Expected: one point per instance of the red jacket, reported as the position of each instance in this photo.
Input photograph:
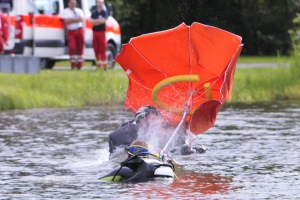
(4, 29)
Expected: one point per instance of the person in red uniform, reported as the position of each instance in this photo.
(4, 31)
(98, 19)
(73, 19)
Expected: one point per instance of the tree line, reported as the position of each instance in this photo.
(263, 24)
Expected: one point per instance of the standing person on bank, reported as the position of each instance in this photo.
(73, 19)
(4, 32)
(98, 19)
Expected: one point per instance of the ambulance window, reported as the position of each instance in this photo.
(4, 7)
(47, 7)
(92, 5)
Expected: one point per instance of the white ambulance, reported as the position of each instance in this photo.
(36, 28)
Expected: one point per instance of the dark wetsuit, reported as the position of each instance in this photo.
(128, 132)
(135, 170)
(185, 150)
(123, 136)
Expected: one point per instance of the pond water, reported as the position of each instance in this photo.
(60, 153)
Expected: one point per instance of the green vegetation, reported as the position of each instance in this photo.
(265, 84)
(67, 63)
(264, 59)
(67, 88)
(242, 59)
(62, 89)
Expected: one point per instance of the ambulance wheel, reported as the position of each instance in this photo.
(46, 63)
(111, 55)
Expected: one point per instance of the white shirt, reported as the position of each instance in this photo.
(68, 14)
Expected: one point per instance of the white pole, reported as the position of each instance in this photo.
(176, 130)
(186, 110)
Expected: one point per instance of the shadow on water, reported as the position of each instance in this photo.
(60, 153)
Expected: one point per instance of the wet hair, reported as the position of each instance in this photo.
(139, 143)
(138, 147)
(144, 112)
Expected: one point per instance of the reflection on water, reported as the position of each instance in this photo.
(59, 153)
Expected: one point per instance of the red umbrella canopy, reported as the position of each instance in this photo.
(205, 51)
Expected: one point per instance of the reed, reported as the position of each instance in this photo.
(62, 89)
(66, 89)
(269, 84)
(263, 59)
(265, 84)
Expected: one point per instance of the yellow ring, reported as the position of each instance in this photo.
(167, 81)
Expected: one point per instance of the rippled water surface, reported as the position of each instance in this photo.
(60, 153)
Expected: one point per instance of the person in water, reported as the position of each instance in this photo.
(138, 147)
(136, 169)
(143, 120)
(128, 132)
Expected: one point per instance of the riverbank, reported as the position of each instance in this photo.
(243, 61)
(62, 89)
(265, 84)
(75, 89)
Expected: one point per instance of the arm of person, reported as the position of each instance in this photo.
(72, 20)
(186, 150)
(97, 21)
(69, 20)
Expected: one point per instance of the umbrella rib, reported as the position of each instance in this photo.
(161, 94)
(189, 53)
(201, 95)
(225, 77)
(179, 85)
(139, 83)
(195, 99)
(171, 85)
(166, 75)
(175, 99)
(147, 60)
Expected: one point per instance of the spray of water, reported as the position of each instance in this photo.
(156, 134)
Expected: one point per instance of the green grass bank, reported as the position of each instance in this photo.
(75, 89)
(62, 89)
(242, 59)
(265, 84)
(264, 59)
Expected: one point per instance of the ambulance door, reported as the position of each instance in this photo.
(88, 7)
(48, 29)
(6, 6)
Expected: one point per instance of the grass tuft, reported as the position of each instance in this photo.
(61, 89)
(75, 89)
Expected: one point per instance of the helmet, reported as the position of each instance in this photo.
(144, 112)
(138, 147)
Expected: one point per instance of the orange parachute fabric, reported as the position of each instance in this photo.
(208, 52)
